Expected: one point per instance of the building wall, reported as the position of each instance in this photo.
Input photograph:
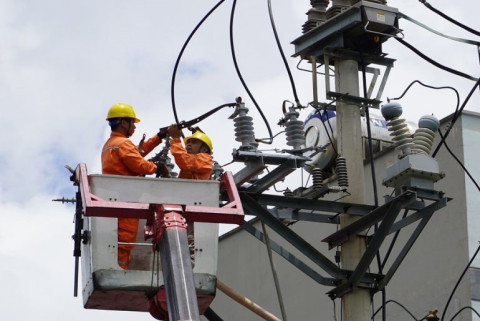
(471, 136)
(423, 282)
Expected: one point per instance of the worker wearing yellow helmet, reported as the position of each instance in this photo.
(121, 157)
(194, 160)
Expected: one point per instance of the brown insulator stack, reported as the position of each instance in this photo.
(316, 15)
(337, 7)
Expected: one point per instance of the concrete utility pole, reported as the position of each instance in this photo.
(336, 31)
(355, 304)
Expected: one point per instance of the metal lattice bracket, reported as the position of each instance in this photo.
(331, 54)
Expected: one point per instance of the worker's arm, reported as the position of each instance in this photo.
(134, 161)
(150, 144)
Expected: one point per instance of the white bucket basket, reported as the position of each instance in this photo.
(105, 284)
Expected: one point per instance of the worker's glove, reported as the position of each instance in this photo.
(162, 133)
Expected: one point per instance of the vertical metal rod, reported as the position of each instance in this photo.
(313, 61)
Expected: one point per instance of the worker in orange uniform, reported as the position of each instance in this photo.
(194, 161)
(121, 157)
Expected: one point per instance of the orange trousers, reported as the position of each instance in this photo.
(127, 232)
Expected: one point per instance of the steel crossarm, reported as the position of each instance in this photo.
(294, 239)
(310, 204)
(368, 220)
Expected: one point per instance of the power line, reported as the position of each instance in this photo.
(177, 62)
(455, 117)
(237, 69)
(475, 32)
(433, 62)
(458, 282)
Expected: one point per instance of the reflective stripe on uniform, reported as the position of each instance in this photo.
(110, 148)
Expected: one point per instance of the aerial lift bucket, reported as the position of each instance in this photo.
(105, 198)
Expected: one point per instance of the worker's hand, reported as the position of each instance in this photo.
(162, 133)
(174, 131)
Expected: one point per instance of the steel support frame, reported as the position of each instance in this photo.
(381, 213)
(386, 214)
(299, 264)
(274, 176)
(314, 205)
(332, 53)
(424, 215)
(256, 162)
(254, 208)
(302, 215)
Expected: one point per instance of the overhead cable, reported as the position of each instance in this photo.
(327, 119)
(428, 86)
(458, 161)
(475, 32)
(458, 282)
(232, 48)
(464, 308)
(433, 62)
(467, 41)
(400, 305)
(282, 53)
(455, 117)
(172, 87)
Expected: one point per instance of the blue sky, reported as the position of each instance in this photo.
(63, 63)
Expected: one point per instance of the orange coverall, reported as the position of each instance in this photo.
(121, 157)
(192, 166)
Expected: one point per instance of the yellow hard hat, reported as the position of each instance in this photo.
(121, 110)
(200, 136)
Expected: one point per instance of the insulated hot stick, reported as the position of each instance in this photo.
(186, 124)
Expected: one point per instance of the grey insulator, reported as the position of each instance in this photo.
(288, 192)
(391, 110)
(429, 121)
(170, 166)
(400, 132)
(317, 178)
(425, 134)
(295, 133)
(244, 131)
(342, 173)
